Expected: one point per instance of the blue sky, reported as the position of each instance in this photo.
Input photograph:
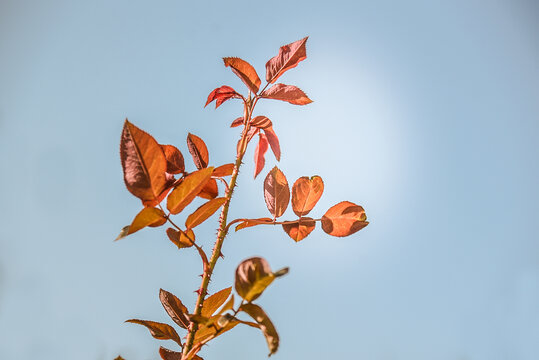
(425, 112)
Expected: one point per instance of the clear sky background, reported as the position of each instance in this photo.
(425, 112)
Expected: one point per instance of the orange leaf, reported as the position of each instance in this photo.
(204, 212)
(198, 151)
(261, 122)
(276, 192)
(223, 170)
(260, 151)
(289, 93)
(222, 94)
(205, 332)
(174, 308)
(167, 354)
(182, 195)
(265, 324)
(237, 122)
(305, 194)
(253, 222)
(210, 190)
(245, 72)
(300, 229)
(143, 162)
(181, 239)
(289, 56)
(253, 276)
(175, 163)
(148, 216)
(273, 140)
(214, 302)
(344, 219)
(159, 330)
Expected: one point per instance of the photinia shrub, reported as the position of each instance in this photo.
(156, 174)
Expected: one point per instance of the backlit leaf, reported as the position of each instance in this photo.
(289, 56)
(214, 302)
(174, 308)
(191, 185)
(253, 276)
(305, 194)
(174, 157)
(276, 192)
(300, 229)
(253, 222)
(261, 122)
(198, 151)
(204, 212)
(167, 354)
(245, 72)
(260, 152)
(123, 233)
(273, 141)
(143, 163)
(159, 330)
(210, 190)
(228, 306)
(344, 219)
(222, 94)
(223, 170)
(205, 332)
(181, 239)
(256, 312)
(237, 122)
(148, 216)
(288, 93)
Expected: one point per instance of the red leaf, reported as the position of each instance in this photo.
(175, 163)
(143, 162)
(289, 93)
(261, 122)
(260, 151)
(273, 141)
(300, 229)
(253, 222)
(210, 190)
(159, 330)
(198, 151)
(204, 212)
(289, 56)
(245, 72)
(174, 308)
(188, 189)
(222, 94)
(167, 354)
(223, 170)
(344, 219)
(237, 122)
(305, 194)
(276, 192)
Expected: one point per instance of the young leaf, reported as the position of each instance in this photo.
(305, 194)
(253, 222)
(237, 122)
(198, 151)
(204, 212)
(261, 122)
(182, 196)
(167, 354)
(253, 276)
(174, 308)
(159, 330)
(213, 302)
(148, 216)
(276, 192)
(143, 162)
(222, 94)
(273, 141)
(344, 219)
(289, 56)
(256, 312)
(210, 190)
(223, 170)
(288, 93)
(260, 152)
(245, 72)
(181, 239)
(300, 229)
(174, 157)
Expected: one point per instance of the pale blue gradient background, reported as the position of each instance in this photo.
(425, 112)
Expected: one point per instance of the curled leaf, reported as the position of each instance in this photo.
(344, 219)
(261, 122)
(198, 151)
(210, 190)
(288, 93)
(223, 170)
(174, 308)
(204, 212)
(253, 276)
(174, 157)
(180, 238)
(245, 72)
(276, 192)
(191, 185)
(148, 216)
(305, 194)
(237, 122)
(260, 152)
(213, 302)
(300, 229)
(265, 324)
(158, 330)
(222, 94)
(253, 222)
(228, 306)
(289, 56)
